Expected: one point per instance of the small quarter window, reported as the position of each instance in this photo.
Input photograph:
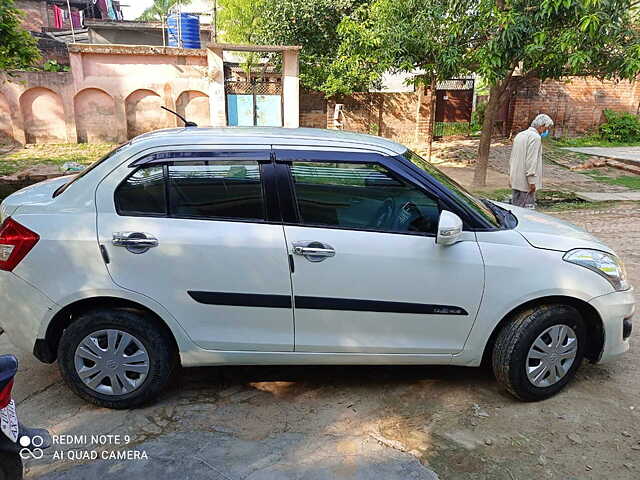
(142, 193)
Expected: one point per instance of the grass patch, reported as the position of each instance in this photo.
(629, 181)
(445, 129)
(589, 141)
(549, 200)
(52, 154)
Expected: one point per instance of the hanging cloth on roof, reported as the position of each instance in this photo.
(111, 11)
(75, 19)
(102, 6)
(58, 21)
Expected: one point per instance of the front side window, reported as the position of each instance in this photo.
(361, 196)
(200, 189)
(459, 191)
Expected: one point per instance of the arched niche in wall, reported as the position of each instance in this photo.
(194, 106)
(95, 113)
(144, 113)
(43, 116)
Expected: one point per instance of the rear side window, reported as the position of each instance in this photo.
(200, 189)
(220, 189)
(361, 196)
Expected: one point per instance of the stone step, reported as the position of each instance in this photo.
(609, 196)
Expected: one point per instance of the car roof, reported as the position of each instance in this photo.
(272, 135)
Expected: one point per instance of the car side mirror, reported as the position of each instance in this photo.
(449, 228)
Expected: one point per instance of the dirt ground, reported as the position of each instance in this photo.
(456, 421)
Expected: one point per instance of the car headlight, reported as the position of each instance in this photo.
(605, 264)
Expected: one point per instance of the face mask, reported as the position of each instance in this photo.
(545, 134)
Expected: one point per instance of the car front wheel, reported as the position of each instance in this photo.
(116, 358)
(539, 351)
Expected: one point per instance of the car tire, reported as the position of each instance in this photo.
(528, 359)
(96, 325)
(10, 466)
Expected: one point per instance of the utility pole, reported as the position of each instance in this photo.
(73, 32)
(215, 21)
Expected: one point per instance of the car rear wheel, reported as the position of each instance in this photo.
(10, 466)
(539, 351)
(116, 358)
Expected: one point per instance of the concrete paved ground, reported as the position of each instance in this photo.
(621, 153)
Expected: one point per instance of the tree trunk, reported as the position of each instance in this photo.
(496, 96)
(432, 114)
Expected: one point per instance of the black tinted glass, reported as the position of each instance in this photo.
(143, 192)
(224, 189)
(361, 196)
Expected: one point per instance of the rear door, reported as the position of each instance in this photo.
(368, 276)
(196, 231)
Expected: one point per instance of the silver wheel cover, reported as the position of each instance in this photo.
(551, 355)
(111, 362)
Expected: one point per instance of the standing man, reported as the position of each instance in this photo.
(525, 168)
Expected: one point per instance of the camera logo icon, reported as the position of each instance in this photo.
(31, 447)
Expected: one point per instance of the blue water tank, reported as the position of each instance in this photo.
(186, 26)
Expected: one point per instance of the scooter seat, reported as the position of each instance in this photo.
(8, 367)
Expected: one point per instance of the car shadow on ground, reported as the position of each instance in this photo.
(310, 377)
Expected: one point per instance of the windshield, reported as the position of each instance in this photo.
(63, 187)
(458, 190)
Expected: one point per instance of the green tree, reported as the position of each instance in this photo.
(313, 25)
(18, 49)
(159, 9)
(239, 22)
(495, 38)
(551, 39)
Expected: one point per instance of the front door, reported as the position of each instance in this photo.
(192, 232)
(368, 275)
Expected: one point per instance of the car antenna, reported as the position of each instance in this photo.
(187, 123)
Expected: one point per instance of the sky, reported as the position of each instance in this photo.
(136, 7)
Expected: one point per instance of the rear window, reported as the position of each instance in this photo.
(63, 187)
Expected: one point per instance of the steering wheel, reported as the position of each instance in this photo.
(384, 216)
(410, 218)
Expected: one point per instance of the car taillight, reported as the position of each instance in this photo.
(15, 242)
(5, 393)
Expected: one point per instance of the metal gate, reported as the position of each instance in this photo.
(253, 103)
(454, 104)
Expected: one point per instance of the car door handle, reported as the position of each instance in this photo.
(313, 251)
(135, 242)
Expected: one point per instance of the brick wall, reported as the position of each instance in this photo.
(52, 50)
(391, 115)
(33, 19)
(313, 109)
(576, 105)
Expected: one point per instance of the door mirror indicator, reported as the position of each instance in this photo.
(449, 228)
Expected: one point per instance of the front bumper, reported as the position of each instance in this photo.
(616, 310)
(22, 310)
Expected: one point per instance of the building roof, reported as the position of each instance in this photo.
(307, 137)
(131, 25)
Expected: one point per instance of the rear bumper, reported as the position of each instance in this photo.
(616, 310)
(22, 310)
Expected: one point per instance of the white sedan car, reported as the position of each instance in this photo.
(198, 246)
